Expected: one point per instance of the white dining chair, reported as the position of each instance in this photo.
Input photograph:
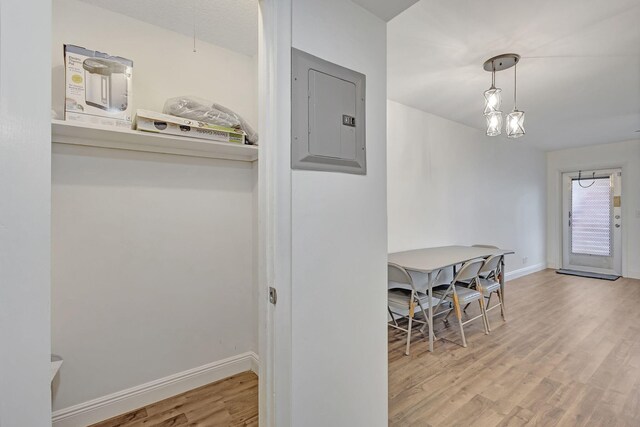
(492, 274)
(487, 247)
(402, 301)
(489, 279)
(463, 295)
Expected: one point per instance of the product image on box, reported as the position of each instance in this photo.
(98, 87)
(106, 84)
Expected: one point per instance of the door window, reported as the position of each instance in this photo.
(591, 216)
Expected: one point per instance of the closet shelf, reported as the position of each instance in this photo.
(63, 132)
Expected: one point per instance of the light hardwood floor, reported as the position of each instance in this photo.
(569, 355)
(230, 402)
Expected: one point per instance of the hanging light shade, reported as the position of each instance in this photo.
(515, 124)
(494, 123)
(492, 97)
(515, 119)
(492, 100)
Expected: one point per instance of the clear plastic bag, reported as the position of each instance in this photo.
(194, 108)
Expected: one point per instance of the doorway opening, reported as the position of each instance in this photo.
(592, 218)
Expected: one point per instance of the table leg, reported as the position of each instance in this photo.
(502, 273)
(430, 295)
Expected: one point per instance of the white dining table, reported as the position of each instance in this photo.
(430, 261)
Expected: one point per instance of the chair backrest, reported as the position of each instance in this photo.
(491, 264)
(469, 270)
(397, 274)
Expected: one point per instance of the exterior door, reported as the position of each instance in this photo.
(592, 218)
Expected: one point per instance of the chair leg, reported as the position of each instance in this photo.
(485, 320)
(408, 335)
(426, 320)
(446, 318)
(392, 316)
(456, 306)
(502, 310)
(487, 327)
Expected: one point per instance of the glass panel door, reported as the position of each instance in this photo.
(592, 221)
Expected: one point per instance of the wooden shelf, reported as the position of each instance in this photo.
(63, 132)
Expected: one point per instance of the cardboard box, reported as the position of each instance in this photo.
(98, 87)
(150, 121)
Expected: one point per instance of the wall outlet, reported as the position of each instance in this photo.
(525, 259)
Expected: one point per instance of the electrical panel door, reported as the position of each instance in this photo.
(328, 116)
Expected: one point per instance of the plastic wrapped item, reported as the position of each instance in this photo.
(194, 108)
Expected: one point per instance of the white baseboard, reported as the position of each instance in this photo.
(631, 274)
(553, 265)
(255, 363)
(510, 275)
(127, 400)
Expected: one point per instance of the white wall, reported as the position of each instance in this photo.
(164, 64)
(623, 154)
(451, 184)
(274, 212)
(153, 255)
(339, 242)
(25, 167)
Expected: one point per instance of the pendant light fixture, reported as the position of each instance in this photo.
(493, 99)
(515, 119)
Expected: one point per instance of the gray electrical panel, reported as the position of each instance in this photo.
(327, 116)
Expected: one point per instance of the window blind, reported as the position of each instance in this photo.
(591, 217)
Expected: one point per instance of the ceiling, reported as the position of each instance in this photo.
(232, 24)
(228, 23)
(385, 9)
(578, 79)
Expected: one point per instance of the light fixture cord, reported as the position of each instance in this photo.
(493, 76)
(515, 86)
(193, 9)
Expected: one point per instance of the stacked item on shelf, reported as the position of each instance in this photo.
(201, 110)
(98, 87)
(151, 121)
